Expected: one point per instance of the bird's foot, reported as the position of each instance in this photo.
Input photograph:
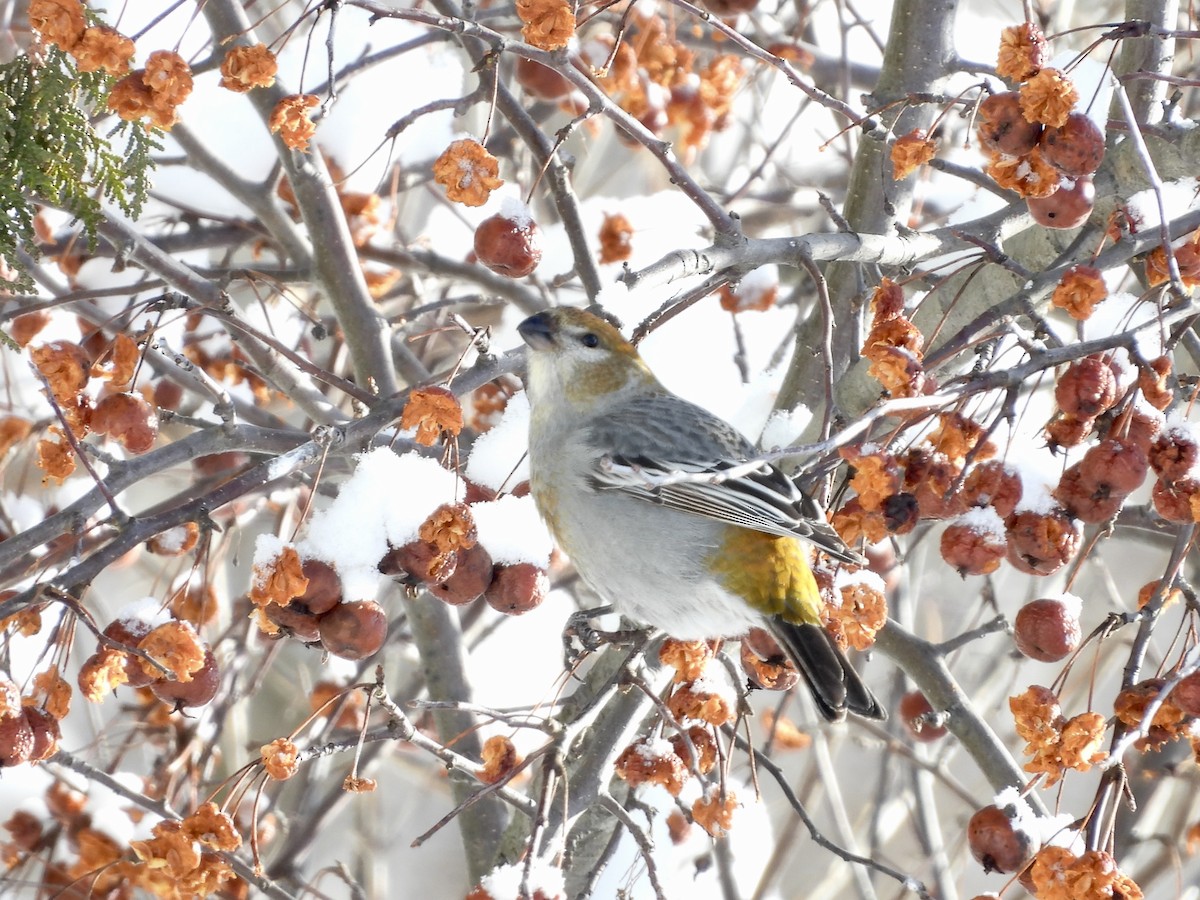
(580, 637)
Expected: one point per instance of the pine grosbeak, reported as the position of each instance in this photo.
(627, 477)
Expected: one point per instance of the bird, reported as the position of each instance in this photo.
(664, 511)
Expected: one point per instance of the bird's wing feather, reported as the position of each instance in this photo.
(700, 470)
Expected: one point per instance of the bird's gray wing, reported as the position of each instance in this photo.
(668, 451)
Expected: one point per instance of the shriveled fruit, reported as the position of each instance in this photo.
(1076, 149)
(354, 630)
(16, 739)
(197, 692)
(916, 713)
(1046, 630)
(995, 842)
(517, 588)
(1041, 543)
(765, 663)
(418, 562)
(1068, 207)
(471, 577)
(541, 81)
(728, 9)
(1186, 694)
(294, 620)
(508, 245)
(46, 733)
(1087, 388)
(324, 590)
(1003, 129)
(126, 418)
(129, 632)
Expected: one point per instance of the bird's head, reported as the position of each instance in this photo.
(579, 357)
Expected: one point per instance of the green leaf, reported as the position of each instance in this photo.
(54, 154)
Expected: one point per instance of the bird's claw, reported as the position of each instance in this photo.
(580, 637)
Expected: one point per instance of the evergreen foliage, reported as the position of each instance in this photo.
(54, 155)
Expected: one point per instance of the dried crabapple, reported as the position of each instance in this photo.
(993, 483)
(294, 620)
(1173, 499)
(689, 659)
(701, 701)
(1023, 52)
(1046, 630)
(348, 707)
(1065, 430)
(1155, 382)
(1174, 454)
(1087, 388)
(174, 541)
(1068, 207)
(1147, 592)
(1041, 543)
(517, 588)
(931, 477)
(765, 663)
(647, 761)
(508, 245)
(1141, 427)
(16, 739)
(197, 692)
(477, 493)
(10, 694)
(472, 576)
(541, 81)
(1117, 464)
(65, 365)
(1003, 129)
(1169, 722)
(882, 560)
(1076, 148)
(1186, 694)
(168, 394)
(324, 590)
(25, 830)
(418, 562)
(221, 465)
(130, 632)
(128, 419)
(972, 546)
(354, 630)
(1187, 258)
(900, 513)
(500, 758)
(46, 733)
(917, 715)
(25, 327)
(1086, 500)
(995, 842)
(729, 9)
(702, 741)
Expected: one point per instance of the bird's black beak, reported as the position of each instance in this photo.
(538, 331)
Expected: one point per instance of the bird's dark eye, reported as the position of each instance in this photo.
(588, 339)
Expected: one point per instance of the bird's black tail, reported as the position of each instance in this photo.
(835, 685)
